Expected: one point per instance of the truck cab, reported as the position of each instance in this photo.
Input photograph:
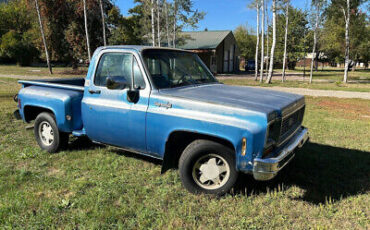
(165, 103)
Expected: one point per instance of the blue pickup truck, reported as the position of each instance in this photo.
(166, 104)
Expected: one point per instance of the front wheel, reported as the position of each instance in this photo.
(47, 133)
(207, 167)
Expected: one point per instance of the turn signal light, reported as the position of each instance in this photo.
(244, 146)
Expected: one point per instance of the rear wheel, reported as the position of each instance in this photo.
(207, 167)
(47, 133)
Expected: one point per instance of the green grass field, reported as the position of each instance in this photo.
(41, 71)
(355, 87)
(326, 186)
(327, 79)
(334, 75)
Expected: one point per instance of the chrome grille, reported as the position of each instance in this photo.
(290, 123)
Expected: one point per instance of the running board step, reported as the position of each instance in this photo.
(79, 133)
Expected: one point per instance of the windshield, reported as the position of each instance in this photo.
(172, 68)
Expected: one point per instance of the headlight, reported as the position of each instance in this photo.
(273, 132)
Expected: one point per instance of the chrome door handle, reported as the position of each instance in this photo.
(165, 105)
(94, 91)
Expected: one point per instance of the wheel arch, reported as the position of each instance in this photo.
(174, 147)
(30, 112)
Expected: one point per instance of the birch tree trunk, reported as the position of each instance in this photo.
(267, 39)
(86, 31)
(258, 40)
(262, 38)
(158, 23)
(346, 65)
(153, 24)
(167, 29)
(103, 22)
(315, 38)
(43, 37)
(273, 41)
(285, 39)
(174, 24)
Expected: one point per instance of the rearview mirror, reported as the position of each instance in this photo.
(116, 82)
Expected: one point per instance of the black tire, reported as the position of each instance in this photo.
(193, 155)
(60, 139)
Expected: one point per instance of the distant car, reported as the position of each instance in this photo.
(166, 104)
(250, 65)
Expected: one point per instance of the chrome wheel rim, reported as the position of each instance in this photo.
(211, 171)
(46, 133)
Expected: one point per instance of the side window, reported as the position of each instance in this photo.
(118, 65)
(138, 76)
(113, 65)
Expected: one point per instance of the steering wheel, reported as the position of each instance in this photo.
(183, 78)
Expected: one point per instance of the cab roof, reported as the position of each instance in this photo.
(138, 48)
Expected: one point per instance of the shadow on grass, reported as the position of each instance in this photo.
(82, 143)
(324, 172)
(137, 156)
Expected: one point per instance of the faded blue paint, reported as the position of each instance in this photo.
(60, 101)
(218, 110)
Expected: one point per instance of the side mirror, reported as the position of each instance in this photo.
(116, 82)
(133, 95)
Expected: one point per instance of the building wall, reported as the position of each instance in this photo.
(227, 47)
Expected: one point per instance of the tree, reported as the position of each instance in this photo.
(285, 38)
(298, 37)
(167, 23)
(262, 38)
(273, 41)
(86, 31)
(317, 4)
(267, 37)
(127, 30)
(153, 23)
(19, 47)
(17, 32)
(246, 41)
(347, 17)
(43, 37)
(332, 41)
(103, 22)
(158, 22)
(184, 16)
(258, 39)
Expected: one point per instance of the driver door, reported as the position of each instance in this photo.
(107, 114)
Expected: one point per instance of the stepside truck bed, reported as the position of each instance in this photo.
(62, 97)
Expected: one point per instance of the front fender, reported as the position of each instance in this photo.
(225, 123)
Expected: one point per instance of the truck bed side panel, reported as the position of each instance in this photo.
(61, 102)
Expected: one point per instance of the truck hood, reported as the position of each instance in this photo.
(250, 98)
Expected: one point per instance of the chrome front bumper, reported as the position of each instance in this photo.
(267, 168)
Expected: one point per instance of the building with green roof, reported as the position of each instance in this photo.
(217, 49)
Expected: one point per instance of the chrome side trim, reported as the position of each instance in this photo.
(267, 168)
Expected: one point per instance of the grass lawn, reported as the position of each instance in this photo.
(334, 75)
(41, 71)
(326, 186)
(356, 87)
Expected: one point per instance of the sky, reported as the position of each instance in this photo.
(220, 14)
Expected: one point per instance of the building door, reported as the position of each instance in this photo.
(226, 61)
(231, 59)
